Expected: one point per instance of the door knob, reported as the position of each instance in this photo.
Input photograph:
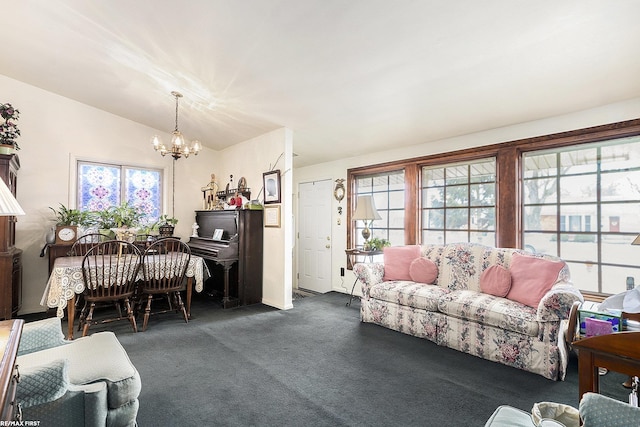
(328, 246)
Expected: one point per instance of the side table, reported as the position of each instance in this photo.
(352, 259)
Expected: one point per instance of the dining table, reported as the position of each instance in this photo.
(66, 282)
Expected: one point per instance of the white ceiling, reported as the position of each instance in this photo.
(347, 76)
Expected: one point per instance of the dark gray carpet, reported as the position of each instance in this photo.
(317, 365)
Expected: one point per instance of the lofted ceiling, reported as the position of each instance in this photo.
(347, 76)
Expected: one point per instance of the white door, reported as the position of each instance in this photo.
(314, 243)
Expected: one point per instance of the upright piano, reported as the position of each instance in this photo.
(238, 252)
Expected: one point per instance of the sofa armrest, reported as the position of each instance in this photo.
(41, 335)
(368, 274)
(556, 304)
(42, 384)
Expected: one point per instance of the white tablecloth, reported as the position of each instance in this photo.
(66, 280)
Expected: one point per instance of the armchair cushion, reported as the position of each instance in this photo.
(41, 335)
(43, 383)
(599, 410)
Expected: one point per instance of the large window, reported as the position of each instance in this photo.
(573, 194)
(582, 203)
(387, 190)
(459, 203)
(102, 185)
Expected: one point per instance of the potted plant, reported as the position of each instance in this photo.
(67, 222)
(166, 225)
(8, 129)
(376, 244)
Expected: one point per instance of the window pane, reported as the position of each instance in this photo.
(618, 250)
(432, 177)
(578, 161)
(483, 194)
(538, 191)
(98, 186)
(396, 219)
(396, 200)
(614, 279)
(621, 185)
(540, 165)
(457, 175)
(433, 197)
(433, 218)
(457, 219)
(482, 238)
(576, 216)
(432, 237)
(143, 190)
(457, 195)
(543, 243)
(620, 217)
(584, 276)
(579, 247)
(456, 237)
(621, 156)
(580, 188)
(483, 172)
(483, 218)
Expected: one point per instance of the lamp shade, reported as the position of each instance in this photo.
(8, 204)
(366, 209)
(637, 240)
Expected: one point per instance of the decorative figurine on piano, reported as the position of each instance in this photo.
(210, 194)
(194, 229)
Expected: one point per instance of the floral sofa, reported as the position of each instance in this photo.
(452, 307)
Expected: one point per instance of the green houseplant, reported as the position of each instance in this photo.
(67, 216)
(376, 244)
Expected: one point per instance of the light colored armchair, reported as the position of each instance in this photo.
(86, 382)
(596, 410)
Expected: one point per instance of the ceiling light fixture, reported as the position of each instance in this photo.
(179, 146)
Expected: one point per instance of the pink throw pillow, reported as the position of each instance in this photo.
(495, 280)
(397, 261)
(423, 270)
(531, 278)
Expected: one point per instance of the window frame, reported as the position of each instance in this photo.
(78, 161)
(509, 221)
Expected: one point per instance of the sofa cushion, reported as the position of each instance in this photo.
(411, 294)
(423, 270)
(496, 281)
(397, 260)
(532, 278)
(98, 357)
(490, 310)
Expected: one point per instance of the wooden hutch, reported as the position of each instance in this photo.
(10, 256)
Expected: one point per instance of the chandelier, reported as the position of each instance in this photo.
(179, 146)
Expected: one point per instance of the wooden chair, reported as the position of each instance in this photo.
(85, 242)
(80, 248)
(110, 271)
(164, 266)
(143, 241)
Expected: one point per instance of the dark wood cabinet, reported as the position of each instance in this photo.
(10, 256)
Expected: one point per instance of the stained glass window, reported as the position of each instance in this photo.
(103, 185)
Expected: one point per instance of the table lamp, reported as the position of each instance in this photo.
(8, 204)
(366, 211)
(636, 241)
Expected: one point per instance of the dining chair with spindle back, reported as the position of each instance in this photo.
(164, 266)
(110, 271)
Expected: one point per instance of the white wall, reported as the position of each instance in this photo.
(250, 159)
(55, 130)
(338, 169)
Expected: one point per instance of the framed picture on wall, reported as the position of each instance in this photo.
(271, 182)
(272, 216)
